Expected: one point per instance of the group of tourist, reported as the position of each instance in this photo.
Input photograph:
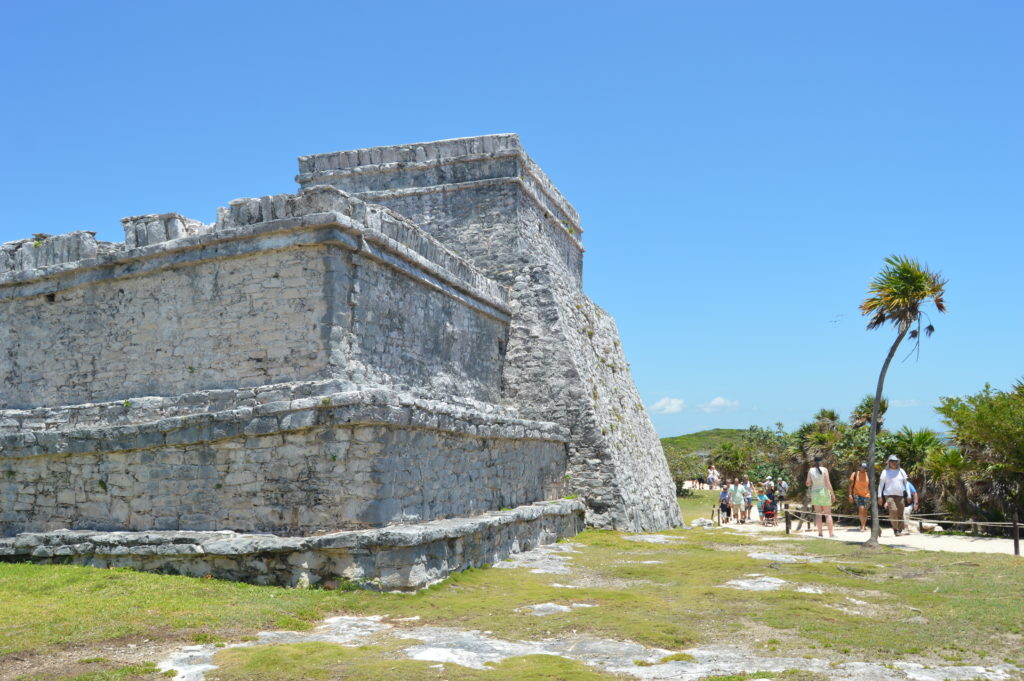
(895, 492)
(738, 499)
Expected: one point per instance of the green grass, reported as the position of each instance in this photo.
(50, 605)
(698, 504)
(788, 675)
(322, 661)
(703, 441)
(931, 607)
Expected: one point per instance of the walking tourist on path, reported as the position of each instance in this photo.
(893, 491)
(748, 497)
(723, 504)
(822, 496)
(736, 495)
(860, 494)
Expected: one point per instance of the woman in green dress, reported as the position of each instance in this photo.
(822, 495)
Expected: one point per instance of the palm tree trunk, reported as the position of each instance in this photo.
(876, 529)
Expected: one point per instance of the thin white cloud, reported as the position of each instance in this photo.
(896, 404)
(718, 404)
(668, 405)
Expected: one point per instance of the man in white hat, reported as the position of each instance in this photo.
(893, 491)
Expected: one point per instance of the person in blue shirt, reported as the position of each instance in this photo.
(723, 503)
(911, 506)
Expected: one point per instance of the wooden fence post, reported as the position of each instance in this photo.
(1016, 534)
(786, 506)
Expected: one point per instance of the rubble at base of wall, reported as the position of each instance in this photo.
(395, 558)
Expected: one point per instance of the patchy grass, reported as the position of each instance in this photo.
(884, 603)
(51, 605)
(698, 504)
(145, 671)
(788, 675)
(316, 661)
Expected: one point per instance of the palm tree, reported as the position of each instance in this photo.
(818, 438)
(948, 470)
(861, 414)
(912, 446)
(895, 297)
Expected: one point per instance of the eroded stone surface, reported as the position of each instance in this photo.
(475, 649)
(756, 583)
(776, 557)
(552, 559)
(652, 538)
(188, 378)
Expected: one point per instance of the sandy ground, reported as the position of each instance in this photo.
(913, 541)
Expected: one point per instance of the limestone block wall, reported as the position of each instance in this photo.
(243, 321)
(139, 379)
(565, 360)
(286, 288)
(487, 201)
(343, 461)
(412, 336)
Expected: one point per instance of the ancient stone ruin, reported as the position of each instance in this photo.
(391, 374)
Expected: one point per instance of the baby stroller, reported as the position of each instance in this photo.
(767, 510)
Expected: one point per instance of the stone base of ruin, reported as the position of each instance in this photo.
(286, 459)
(395, 558)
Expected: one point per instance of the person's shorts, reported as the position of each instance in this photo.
(862, 502)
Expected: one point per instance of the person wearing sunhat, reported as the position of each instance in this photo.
(860, 494)
(892, 491)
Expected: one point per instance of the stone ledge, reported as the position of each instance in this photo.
(152, 408)
(394, 558)
(347, 409)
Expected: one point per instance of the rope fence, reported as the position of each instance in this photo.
(807, 515)
(973, 524)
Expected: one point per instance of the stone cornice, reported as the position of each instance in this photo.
(537, 186)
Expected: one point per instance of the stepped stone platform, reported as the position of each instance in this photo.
(397, 558)
(403, 341)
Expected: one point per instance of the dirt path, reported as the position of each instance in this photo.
(913, 541)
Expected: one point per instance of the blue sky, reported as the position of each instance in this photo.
(741, 168)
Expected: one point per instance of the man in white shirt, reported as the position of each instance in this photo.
(892, 490)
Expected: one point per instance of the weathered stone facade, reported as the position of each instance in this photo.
(404, 340)
(487, 201)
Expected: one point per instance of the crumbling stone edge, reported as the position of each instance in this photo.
(395, 558)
